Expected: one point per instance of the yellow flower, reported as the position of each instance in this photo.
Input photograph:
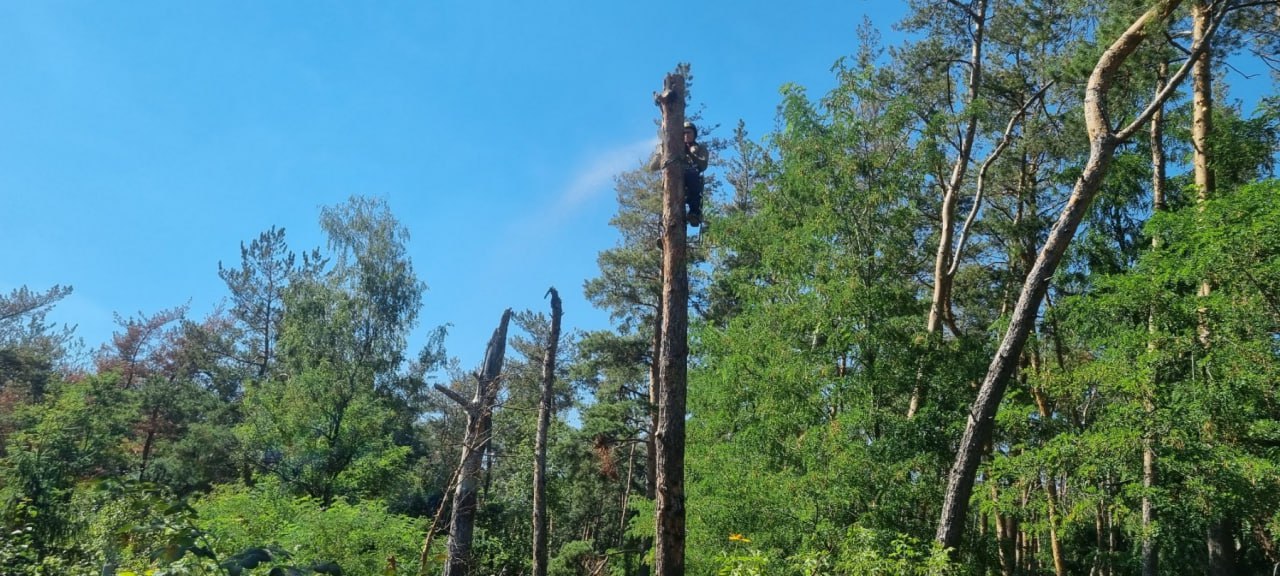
(738, 538)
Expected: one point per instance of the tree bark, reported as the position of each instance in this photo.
(1150, 560)
(626, 497)
(1103, 140)
(669, 549)
(479, 429)
(435, 522)
(1219, 539)
(1050, 480)
(651, 441)
(545, 409)
(1055, 545)
(1202, 100)
(655, 377)
(1220, 542)
(1005, 543)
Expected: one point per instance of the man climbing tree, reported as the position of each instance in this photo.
(693, 162)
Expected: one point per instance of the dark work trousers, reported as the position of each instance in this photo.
(693, 193)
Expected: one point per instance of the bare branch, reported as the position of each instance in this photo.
(1196, 50)
(1005, 140)
(454, 396)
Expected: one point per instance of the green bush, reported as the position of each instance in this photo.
(362, 538)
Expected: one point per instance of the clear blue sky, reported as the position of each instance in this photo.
(141, 142)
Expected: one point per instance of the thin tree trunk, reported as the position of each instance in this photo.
(626, 496)
(1099, 544)
(545, 408)
(1048, 479)
(1005, 544)
(669, 549)
(1112, 536)
(1150, 550)
(1202, 100)
(479, 429)
(651, 443)
(152, 424)
(1103, 141)
(939, 306)
(1201, 128)
(435, 522)
(1055, 546)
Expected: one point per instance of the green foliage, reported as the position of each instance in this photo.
(811, 378)
(1192, 372)
(861, 551)
(75, 435)
(327, 425)
(362, 538)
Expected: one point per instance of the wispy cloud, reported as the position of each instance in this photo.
(561, 220)
(595, 177)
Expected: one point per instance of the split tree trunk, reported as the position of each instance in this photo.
(479, 429)
(669, 549)
(545, 409)
(1103, 140)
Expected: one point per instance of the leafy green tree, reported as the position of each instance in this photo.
(257, 293)
(1210, 409)
(810, 380)
(326, 425)
(30, 345)
(77, 435)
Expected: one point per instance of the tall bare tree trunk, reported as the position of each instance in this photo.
(1202, 99)
(1220, 541)
(1055, 545)
(1219, 538)
(669, 550)
(1103, 140)
(1150, 551)
(1202, 126)
(545, 409)
(626, 496)
(479, 429)
(1050, 479)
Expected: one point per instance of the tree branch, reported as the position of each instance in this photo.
(1005, 140)
(1196, 50)
(454, 396)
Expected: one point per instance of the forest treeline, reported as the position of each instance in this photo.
(865, 288)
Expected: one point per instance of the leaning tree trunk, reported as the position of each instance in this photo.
(540, 442)
(1103, 140)
(479, 429)
(668, 558)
